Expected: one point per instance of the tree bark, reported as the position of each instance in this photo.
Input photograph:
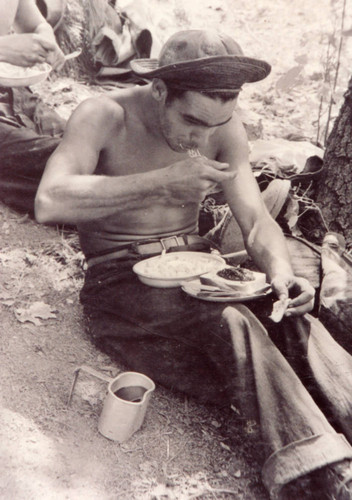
(334, 188)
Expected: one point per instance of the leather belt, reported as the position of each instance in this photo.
(148, 248)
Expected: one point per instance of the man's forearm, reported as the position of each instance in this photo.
(79, 198)
(267, 246)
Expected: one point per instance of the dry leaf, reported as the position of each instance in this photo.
(292, 216)
(6, 298)
(302, 59)
(224, 446)
(215, 423)
(35, 312)
(290, 79)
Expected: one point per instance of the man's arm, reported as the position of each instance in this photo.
(34, 40)
(28, 17)
(263, 237)
(70, 192)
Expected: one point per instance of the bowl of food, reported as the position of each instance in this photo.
(20, 76)
(171, 269)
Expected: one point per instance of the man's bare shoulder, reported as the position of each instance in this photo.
(101, 108)
(102, 122)
(96, 117)
(109, 110)
(235, 125)
(232, 136)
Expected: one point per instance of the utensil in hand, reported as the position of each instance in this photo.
(72, 55)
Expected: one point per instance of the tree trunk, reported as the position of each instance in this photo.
(334, 189)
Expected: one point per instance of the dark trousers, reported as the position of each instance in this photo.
(293, 379)
(29, 132)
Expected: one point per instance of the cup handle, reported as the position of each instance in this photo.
(89, 370)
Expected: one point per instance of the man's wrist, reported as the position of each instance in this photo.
(286, 275)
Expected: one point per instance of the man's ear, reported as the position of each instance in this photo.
(159, 90)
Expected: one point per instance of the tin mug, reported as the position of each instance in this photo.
(125, 404)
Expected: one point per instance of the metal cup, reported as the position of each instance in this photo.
(125, 404)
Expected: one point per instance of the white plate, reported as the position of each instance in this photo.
(19, 76)
(194, 287)
(169, 270)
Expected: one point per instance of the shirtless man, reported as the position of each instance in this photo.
(29, 130)
(124, 176)
(145, 184)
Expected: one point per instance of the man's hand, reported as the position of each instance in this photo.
(56, 58)
(299, 289)
(27, 49)
(189, 181)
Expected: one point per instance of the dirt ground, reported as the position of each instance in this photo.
(52, 450)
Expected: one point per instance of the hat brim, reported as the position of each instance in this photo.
(228, 72)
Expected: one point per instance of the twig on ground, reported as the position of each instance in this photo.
(181, 448)
(167, 449)
(309, 204)
(213, 491)
(165, 416)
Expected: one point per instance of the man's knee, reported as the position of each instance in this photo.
(235, 319)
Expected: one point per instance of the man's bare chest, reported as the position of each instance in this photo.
(134, 154)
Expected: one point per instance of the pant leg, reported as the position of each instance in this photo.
(297, 436)
(32, 112)
(23, 156)
(331, 370)
(220, 356)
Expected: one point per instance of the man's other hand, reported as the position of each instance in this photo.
(299, 290)
(27, 49)
(56, 58)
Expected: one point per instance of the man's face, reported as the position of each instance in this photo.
(189, 121)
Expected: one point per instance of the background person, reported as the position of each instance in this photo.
(29, 130)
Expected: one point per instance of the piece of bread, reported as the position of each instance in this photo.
(279, 309)
(251, 281)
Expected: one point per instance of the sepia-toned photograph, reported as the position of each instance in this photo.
(175, 250)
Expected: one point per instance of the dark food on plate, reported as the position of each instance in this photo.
(236, 274)
(235, 278)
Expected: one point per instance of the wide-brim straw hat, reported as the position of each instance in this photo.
(202, 60)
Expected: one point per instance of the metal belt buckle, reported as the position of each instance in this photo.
(162, 242)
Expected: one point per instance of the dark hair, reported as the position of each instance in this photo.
(176, 93)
